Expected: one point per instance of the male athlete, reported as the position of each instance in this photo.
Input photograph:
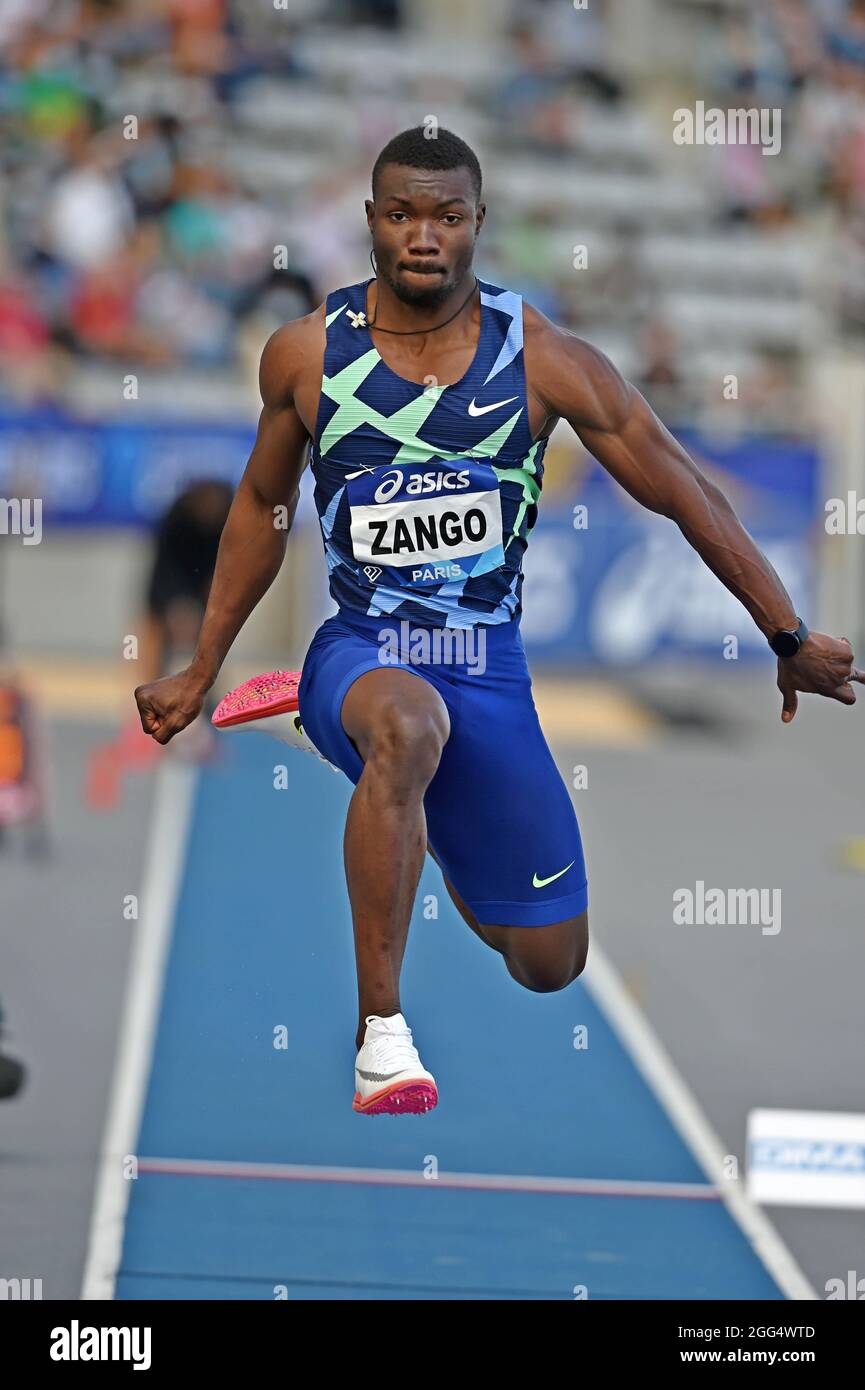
(427, 398)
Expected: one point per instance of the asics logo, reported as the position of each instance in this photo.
(421, 484)
(542, 882)
(485, 409)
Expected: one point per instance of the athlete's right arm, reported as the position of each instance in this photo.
(252, 546)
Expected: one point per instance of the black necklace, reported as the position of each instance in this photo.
(407, 332)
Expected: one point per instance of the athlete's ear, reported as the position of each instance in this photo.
(370, 211)
(479, 216)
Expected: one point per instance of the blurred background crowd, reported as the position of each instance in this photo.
(155, 152)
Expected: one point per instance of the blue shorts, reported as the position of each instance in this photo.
(499, 816)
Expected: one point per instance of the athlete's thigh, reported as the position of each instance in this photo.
(397, 707)
(338, 659)
(499, 815)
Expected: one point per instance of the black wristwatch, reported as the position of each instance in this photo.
(787, 641)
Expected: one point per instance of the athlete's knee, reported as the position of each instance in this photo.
(551, 959)
(406, 742)
(546, 977)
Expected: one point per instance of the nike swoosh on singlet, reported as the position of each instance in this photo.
(485, 409)
(542, 882)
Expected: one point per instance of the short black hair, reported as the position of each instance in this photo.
(420, 150)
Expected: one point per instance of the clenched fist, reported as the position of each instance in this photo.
(168, 705)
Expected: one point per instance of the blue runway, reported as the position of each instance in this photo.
(252, 1162)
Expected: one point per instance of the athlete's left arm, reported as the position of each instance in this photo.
(574, 380)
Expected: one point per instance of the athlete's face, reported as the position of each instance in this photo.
(424, 223)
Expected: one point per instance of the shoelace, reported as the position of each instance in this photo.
(395, 1050)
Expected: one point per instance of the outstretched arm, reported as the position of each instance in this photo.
(251, 549)
(573, 380)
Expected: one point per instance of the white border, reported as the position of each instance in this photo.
(169, 831)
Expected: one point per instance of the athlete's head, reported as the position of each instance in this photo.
(425, 214)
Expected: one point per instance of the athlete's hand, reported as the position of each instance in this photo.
(822, 666)
(168, 705)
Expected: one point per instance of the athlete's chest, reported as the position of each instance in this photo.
(433, 364)
(461, 388)
(481, 403)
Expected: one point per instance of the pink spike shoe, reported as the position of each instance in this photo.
(268, 703)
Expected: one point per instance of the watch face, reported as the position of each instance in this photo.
(785, 643)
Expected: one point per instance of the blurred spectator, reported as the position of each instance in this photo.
(849, 275)
(185, 545)
(12, 1073)
(184, 556)
(387, 14)
(659, 367)
(660, 377)
(89, 214)
(280, 296)
(25, 337)
(198, 40)
(581, 40)
(149, 167)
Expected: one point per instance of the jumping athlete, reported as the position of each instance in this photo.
(424, 399)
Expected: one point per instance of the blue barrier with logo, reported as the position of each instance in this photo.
(615, 584)
(112, 474)
(624, 587)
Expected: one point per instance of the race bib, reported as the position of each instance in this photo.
(424, 526)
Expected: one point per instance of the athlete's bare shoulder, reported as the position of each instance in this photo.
(570, 377)
(294, 351)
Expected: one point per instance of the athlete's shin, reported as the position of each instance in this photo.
(385, 842)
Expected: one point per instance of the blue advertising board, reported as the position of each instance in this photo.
(112, 474)
(606, 581)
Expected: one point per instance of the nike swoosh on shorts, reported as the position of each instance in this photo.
(542, 882)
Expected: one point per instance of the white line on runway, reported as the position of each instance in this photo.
(656, 1067)
(172, 814)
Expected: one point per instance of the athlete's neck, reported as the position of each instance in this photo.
(389, 311)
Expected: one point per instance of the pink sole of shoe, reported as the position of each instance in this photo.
(413, 1098)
